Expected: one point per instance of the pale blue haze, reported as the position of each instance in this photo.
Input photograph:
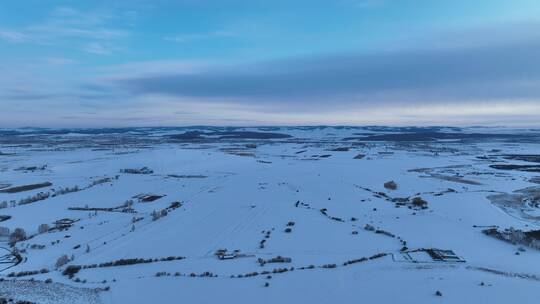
(123, 63)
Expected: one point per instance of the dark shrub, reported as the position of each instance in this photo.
(71, 270)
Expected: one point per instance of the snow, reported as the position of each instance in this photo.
(236, 199)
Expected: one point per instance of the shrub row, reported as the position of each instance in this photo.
(27, 273)
(71, 270)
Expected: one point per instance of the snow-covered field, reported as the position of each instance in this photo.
(221, 215)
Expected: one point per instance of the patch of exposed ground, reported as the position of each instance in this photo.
(526, 168)
(455, 179)
(26, 188)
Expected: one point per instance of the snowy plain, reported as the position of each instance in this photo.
(313, 195)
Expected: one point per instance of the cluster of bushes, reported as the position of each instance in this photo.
(402, 241)
(325, 266)
(126, 262)
(65, 190)
(156, 215)
(378, 256)
(364, 259)
(102, 181)
(415, 203)
(368, 227)
(298, 204)
(127, 204)
(255, 273)
(380, 231)
(288, 229)
(267, 234)
(143, 170)
(419, 203)
(4, 204)
(27, 273)
(73, 269)
(136, 219)
(63, 260)
(307, 267)
(125, 207)
(43, 228)
(380, 195)
(350, 262)
(34, 198)
(87, 208)
(277, 259)
(41, 196)
(282, 270)
(206, 274)
(324, 212)
(17, 235)
(175, 205)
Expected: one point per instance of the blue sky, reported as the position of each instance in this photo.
(232, 62)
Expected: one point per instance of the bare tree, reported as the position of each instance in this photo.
(18, 235)
(63, 260)
(43, 228)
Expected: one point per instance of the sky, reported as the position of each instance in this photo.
(69, 63)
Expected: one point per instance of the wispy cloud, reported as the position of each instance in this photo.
(489, 72)
(113, 73)
(96, 48)
(13, 36)
(58, 61)
(185, 38)
(185, 71)
(65, 25)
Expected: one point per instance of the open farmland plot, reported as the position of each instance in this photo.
(291, 216)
